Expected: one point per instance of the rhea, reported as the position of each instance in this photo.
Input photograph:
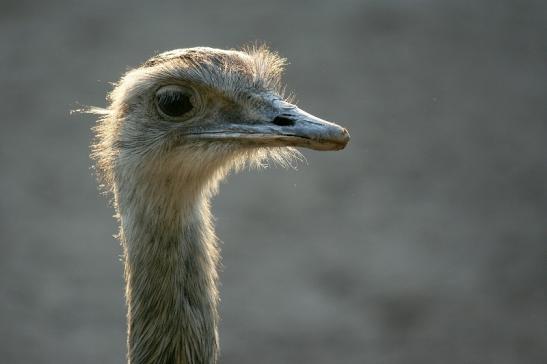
(173, 128)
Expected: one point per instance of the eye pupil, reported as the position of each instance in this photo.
(174, 103)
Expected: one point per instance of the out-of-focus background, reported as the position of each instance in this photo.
(425, 241)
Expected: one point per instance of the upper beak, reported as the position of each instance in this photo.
(284, 125)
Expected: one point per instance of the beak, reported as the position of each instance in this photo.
(284, 125)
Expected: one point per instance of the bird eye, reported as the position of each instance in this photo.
(174, 101)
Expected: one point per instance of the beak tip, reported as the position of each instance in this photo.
(345, 135)
(343, 138)
(337, 141)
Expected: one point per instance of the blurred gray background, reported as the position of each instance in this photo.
(423, 242)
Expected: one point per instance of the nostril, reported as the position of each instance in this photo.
(283, 121)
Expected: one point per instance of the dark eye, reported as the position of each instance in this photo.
(174, 101)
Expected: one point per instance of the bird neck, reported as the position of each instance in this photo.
(171, 258)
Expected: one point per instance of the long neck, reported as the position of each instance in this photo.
(171, 258)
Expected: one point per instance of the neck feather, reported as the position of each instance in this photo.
(171, 259)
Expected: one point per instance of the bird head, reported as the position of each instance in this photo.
(193, 113)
